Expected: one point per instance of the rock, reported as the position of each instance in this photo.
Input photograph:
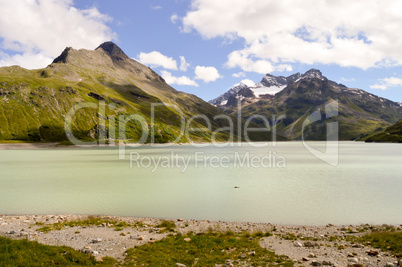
(354, 260)
(356, 246)
(237, 186)
(12, 232)
(98, 240)
(95, 253)
(251, 253)
(305, 259)
(297, 244)
(87, 250)
(355, 265)
(372, 252)
(27, 221)
(389, 264)
(180, 265)
(329, 225)
(309, 244)
(350, 255)
(187, 239)
(312, 255)
(180, 220)
(123, 234)
(327, 263)
(315, 263)
(98, 259)
(243, 256)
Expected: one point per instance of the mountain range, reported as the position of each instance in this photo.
(296, 97)
(117, 90)
(35, 103)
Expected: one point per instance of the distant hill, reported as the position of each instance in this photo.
(298, 96)
(34, 103)
(391, 134)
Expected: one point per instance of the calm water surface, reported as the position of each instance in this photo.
(297, 188)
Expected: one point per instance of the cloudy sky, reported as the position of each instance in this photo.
(204, 47)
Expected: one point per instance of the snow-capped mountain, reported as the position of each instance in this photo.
(268, 86)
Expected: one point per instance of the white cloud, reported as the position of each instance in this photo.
(37, 31)
(207, 74)
(239, 74)
(387, 83)
(183, 64)
(248, 82)
(174, 18)
(359, 33)
(183, 80)
(156, 7)
(156, 59)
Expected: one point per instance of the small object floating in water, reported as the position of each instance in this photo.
(237, 186)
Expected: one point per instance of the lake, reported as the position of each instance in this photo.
(283, 184)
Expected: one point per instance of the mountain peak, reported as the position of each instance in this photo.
(63, 56)
(113, 50)
(314, 73)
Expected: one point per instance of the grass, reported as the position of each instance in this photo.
(168, 225)
(204, 250)
(386, 240)
(31, 253)
(90, 221)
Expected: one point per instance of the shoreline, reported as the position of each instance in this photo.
(302, 244)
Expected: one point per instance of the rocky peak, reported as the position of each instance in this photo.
(113, 50)
(314, 73)
(63, 56)
(271, 80)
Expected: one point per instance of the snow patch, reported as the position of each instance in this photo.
(262, 90)
(224, 102)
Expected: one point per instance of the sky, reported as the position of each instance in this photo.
(204, 47)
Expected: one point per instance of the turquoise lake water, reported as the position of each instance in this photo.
(277, 184)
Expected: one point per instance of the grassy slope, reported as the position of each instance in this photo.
(391, 134)
(34, 102)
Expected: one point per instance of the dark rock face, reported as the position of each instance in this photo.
(113, 50)
(63, 56)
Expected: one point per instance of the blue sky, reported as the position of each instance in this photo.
(204, 47)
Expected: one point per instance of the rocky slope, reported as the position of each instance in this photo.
(357, 112)
(34, 103)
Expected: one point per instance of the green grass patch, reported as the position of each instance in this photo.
(168, 225)
(385, 240)
(204, 250)
(31, 253)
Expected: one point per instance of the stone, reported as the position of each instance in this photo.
(95, 253)
(354, 260)
(187, 239)
(180, 265)
(372, 252)
(98, 240)
(251, 253)
(389, 264)
(355, 265)
(12, 232)
(98, 259)
(243, 256)
(297, 244)
(87, 250)
(180, 220)
(328, 263)
(312, 255)
(309, 244)
(315, 263)
(305, 259)
(123, 234)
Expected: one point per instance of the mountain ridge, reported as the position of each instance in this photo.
(360, 112)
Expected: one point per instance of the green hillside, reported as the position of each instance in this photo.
(34, 103)
(391, 134)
